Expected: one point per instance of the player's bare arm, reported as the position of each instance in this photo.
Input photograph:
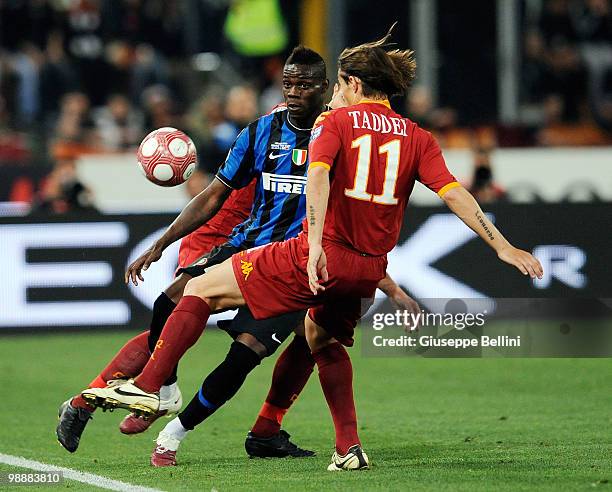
(196, 213)
(317, 195)
(397, 295)
(399, 298)
(464, 206)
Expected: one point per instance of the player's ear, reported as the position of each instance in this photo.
(354, 83)
(325, 85)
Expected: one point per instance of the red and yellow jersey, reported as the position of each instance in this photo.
(234, 211)
(374, 157)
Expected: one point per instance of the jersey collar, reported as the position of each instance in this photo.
(384, 102)
(296, 127)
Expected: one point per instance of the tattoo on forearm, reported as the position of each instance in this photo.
(484, 225)
(312, 216)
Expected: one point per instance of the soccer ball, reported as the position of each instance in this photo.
(167, 157)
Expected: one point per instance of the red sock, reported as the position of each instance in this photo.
(336, 376)
(181, 331)
(291, 372)
(129, 361)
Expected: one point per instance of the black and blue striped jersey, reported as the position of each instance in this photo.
(275, 152)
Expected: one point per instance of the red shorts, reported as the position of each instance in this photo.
(273, 280)
(197, 244)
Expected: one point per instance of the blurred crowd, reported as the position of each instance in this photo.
(95, 76)
(567, 70)
(91, 76)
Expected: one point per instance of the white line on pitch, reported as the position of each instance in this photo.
(88, 478)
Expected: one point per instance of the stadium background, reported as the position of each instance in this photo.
(518, 92)
(519, 96)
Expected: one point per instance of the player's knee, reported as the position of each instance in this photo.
(311, 339)
(251, 342)
(194, 287)
(316, 336)
(198, 286)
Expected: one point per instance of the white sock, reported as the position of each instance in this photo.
(166, 392)
(176, 429)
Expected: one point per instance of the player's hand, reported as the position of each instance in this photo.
(404, 302)
(134, 271)
(337, 100)
(317, 265)
(524, 261)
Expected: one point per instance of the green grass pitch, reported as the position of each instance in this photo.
(427, 424)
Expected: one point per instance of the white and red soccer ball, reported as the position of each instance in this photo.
(167, 157)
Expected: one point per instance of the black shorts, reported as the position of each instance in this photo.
(214, 257)
(271, 332)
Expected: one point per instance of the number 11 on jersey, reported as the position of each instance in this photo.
(362, 173)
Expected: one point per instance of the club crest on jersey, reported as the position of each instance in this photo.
(280, 146)
(299, 157)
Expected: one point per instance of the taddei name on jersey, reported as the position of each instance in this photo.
(379, 123)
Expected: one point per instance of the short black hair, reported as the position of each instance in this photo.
(305, 56)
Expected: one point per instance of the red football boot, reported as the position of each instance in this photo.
(132, 424)
(164, 453)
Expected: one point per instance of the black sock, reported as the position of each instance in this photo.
(220, 385)
(162, 309)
